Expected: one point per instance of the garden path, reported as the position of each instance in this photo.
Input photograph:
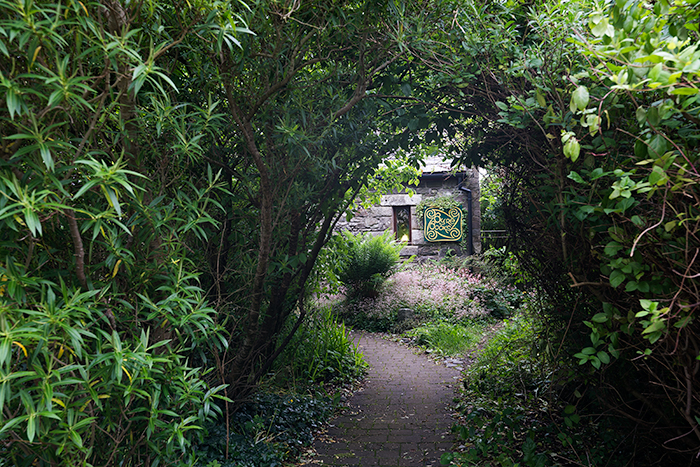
(401, 416)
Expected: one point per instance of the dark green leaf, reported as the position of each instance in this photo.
(617, 277)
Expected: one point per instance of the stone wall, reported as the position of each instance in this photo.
(379, 218)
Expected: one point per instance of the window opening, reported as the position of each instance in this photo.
(402, 223)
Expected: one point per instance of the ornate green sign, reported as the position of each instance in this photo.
(443, 225)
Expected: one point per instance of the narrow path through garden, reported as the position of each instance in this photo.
(401, 416)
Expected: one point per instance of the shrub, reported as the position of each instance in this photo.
(274, 427)
(508, 360)
(514, 414)
(320, 351)
(75, 391)
(265, 432)
(103, 215)
(367, 262)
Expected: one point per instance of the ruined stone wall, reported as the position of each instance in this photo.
(379, 218)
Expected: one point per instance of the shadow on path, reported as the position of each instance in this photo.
(401, 417)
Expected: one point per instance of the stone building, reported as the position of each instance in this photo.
(397, 212)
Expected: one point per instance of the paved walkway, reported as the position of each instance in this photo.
(401, 415)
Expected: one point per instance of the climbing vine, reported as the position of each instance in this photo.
(598, 127)
(444, 202)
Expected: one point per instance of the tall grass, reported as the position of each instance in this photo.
(320, 351)
(445, 339)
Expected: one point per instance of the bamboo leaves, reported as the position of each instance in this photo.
(109, 178)
(89, 180)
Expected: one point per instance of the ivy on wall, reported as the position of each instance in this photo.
(445, 203)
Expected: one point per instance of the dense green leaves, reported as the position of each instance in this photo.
(597, 104)
(366, 262)
(148, 146)
(315, 104)
(100, 305)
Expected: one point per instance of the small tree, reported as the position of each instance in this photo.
(101, 216)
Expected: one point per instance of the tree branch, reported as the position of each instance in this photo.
(79, 250)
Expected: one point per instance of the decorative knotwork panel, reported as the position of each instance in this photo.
(443, 225)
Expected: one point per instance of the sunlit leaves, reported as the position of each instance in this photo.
(600, 25)
(23, 204)
(109, 178)
(71, 90)
(653, 323)
(572, 148)
(579, 99)
(151, 73)
(13, 96)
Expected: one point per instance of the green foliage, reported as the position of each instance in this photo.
(367, 262)
(504, 265)
(358, 319)
(68, 379)
(507, 361)
(661, 72)
(266, 432)
(639, 205)
(591, 108)
(446, 339)
(499, 433)
(306, 132)
(513, 413)
(445, 202)
(500, 302)
(491, 200)
(277, 426)
(395, 174)
(319, 352)
(102, 315)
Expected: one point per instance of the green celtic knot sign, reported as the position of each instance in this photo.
(443, 225)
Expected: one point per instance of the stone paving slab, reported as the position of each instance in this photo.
(401, 417)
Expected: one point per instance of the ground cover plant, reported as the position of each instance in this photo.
(301, 391)
(279, 422)
(269, 431)
(517, 410)
(431, 291)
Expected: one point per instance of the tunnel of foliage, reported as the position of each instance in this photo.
(170, 171)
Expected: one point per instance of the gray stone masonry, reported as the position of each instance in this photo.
(377, 219)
